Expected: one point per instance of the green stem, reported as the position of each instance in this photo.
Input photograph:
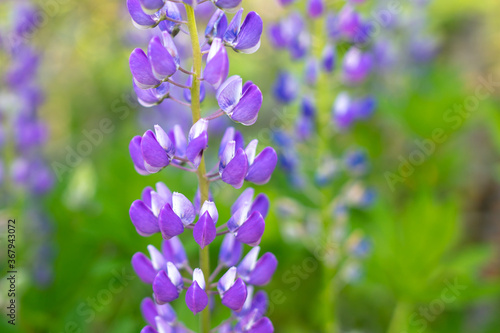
(202, 180)
(399, 317)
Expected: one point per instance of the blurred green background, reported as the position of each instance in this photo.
(440, 227)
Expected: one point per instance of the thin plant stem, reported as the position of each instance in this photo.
(202, 180)
(179, 101)
(180, 85)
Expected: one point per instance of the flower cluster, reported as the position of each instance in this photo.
(157, 77)
(347, 50)
(346, 27)
(24, 134)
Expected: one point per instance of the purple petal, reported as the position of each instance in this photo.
(227, 4)
(179, 138)
(248, 40)
(315, 8)
(235, 297)
(217, 25)
(234, 28)
(247, 109)
(162, 63)
(251, 230)
(183, 208)
(230, 250)
(261, 205)
(311, 71)
(136, 155)
(157, 259)
(286, 88)
(148, 309)
(140, 19)
(263, 325)
(153, 152)
(166, 312)
(144, 220)
(141, 70)
(169, 223)
(187, 92)
(148, 329)
(164, 290)
(146, 195)
(151, 6)
(143, 268)
(204, 231)
(164, 141)
(173, 251)
(217, 67)
(261, 169)
(195, 148)
(235, 171)
(229, 93)
(244, 199)
(328, 58)
(164, 192)
(196, 298)
(247, 264)
(263, 270)
(168, 43)
(209, 206)
(153, 96)
(260, 302)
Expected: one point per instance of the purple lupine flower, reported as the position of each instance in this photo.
(257, 272)
(233, 165)
(167, 284)
(217, 26)
(156, 77)
(171, 25)
(157, 149)
(161, 211)
(196, 296)
(163, 56)
(197, 141)
(140, 19)
(260, 167)
(141, 70)
(145, 268)
(356, 65)
(238, 164)
(306, 121)
(174, 216)
(226, 4)
(328, 58)
(247, 220)
(285, 2)
(174, 252)
(348, 22)
(217, 67)
(152, 96)
(311, 71)
(232, 290)
(240, 102)
(204, 231)
(343, 114)
(151, 6)
(230, 251)
(244, 38)
(151, 310)
(315, 8)
(285, 88)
